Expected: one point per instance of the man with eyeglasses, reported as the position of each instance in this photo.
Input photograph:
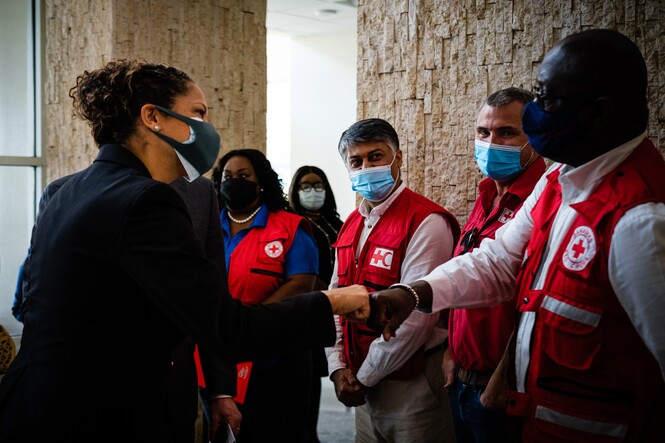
(584, 258)
(478, 337)
(394, 235)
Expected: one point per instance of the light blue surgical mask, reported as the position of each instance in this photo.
(498, 162)
(374, 183)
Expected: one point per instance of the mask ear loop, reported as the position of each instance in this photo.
(394, 157)
(399, 172)
(528, 162)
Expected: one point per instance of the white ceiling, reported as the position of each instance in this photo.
(303, 18)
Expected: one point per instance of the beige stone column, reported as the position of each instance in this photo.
(427, 65)
(220, 43)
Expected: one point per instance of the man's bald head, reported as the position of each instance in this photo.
(601, 62)
(591, 97)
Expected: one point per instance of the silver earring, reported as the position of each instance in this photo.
(157, 128)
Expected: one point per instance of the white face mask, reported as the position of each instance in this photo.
(312, 199)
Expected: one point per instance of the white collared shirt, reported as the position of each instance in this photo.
(636, 264)
(431, 244)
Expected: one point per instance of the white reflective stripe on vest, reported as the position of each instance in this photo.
(581, 424)
(569, 311)
(523, 348)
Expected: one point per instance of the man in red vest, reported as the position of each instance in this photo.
(478, 337)
(584, 258)
(395, 235)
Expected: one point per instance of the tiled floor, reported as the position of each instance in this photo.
(336, 421)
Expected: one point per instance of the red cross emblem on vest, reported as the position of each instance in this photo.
(581, 249)
(274, 249)
(578, 248)
(381, 258)
(506, 215)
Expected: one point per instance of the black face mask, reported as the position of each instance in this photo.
(238, 193)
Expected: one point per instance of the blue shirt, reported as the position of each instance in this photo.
(301, 258)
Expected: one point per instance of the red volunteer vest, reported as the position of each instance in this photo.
(256, 265)
(379, 266)
(590, 376)
(477, 337)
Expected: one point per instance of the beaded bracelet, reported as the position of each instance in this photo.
(411, 290)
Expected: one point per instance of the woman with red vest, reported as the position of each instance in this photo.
(270, 255)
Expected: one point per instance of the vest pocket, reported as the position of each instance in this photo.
(571, 423)
(262, 283)
(382, 264)
(266, 272)
(344, 265)
(569, 331)
(378, 281)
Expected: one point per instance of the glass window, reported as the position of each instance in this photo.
(20, 165)
(17, 110)
(17, 184)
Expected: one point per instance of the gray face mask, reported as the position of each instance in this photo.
(199, 152)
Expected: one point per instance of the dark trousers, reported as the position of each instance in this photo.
(319, 369)
(314, 402)
(475, 423)
(182, 402)
(277, 403)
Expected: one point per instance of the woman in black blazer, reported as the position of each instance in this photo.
(117, 277)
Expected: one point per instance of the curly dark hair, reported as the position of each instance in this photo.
(329, 208)
(272, 193)
(110, 98)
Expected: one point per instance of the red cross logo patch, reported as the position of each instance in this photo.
(274, 249)
(580, 250)
(381, 258)
(506, 215)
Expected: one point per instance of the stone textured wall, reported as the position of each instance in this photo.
(427, 66)
(220, 43)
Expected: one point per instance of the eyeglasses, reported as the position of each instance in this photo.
(468, 242)
(547, 102)
(318, 187)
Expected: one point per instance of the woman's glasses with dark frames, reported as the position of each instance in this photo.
(308, 186)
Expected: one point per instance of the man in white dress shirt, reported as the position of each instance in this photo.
(395, 235)
(584, 257)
